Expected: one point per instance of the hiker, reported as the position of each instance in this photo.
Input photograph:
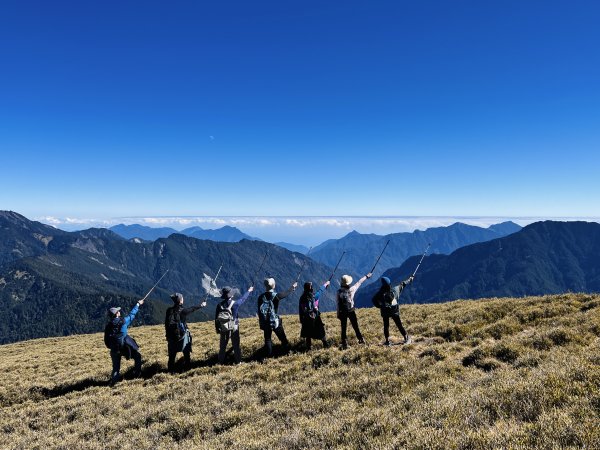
(227, 322)
(268, 317)
(179, 338)
(310, 317)
(386, 299)
(345, 307)
(120, 343)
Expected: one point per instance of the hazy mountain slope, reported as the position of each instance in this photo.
(362, 250)
(142, 232)
(80, 273)
(543, 258)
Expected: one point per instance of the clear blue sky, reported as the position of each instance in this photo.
(114, 109)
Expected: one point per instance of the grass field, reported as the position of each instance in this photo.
(498, 373)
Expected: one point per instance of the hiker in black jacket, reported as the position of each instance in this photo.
(386, 299)
(271, 324)
(310, 316)
(179, 338)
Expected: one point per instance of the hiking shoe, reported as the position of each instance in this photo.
(325, 344)
(362, 341)
(387, 343)
(407, 340)
(344, 345)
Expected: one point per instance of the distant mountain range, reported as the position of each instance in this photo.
(362, 250)
(543, 258)
(293, 247)
(55, 283)
(223, 234)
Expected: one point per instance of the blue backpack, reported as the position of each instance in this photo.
(267, 317)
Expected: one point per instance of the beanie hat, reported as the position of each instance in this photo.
(269, 283)
(346, 280)
(113, 311)
(385, 281)
(308, 286)
(177, 297)
(226, 293)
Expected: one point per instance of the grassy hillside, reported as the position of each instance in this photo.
(481, 374)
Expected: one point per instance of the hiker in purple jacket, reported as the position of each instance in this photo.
(227, 322)
(345, 307)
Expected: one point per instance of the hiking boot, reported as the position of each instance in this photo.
(362, 341)
(407, 340)
(325, 343)
(137, 373)
(387, 343)
(344, 345)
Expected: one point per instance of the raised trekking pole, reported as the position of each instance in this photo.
(259, 269)
(303, 264)
(380, 255)
(422, 257)
(214, 281)
(336, 266)
(159, 280)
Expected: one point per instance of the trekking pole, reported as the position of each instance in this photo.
(422, 257)
(381, 254)
(261, 266)
(159, 280)
(214, 281)
(303, 264)
(336, 266)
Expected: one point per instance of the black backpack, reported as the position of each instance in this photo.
(345, 303)
(174, 327)
(307, 307)
(111, 334)
(388, 299)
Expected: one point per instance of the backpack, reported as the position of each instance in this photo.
(225, 318)
(267, 317)
(345, 302)
(175, 329)
(389, 299)
(111, 334)
(307, 307)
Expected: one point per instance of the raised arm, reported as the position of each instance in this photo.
(129, 318)
(320, 292)
(245, 297)
(402, 285)
(356, 285)
(282, 295)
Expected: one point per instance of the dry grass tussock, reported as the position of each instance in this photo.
(508, 373)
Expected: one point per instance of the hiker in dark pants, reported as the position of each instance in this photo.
(271, 301)
(179, 338)
(386, 299)
(227, 323)
(310, 316)
(120, 343)
(345, 307)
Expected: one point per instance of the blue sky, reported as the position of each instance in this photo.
(430, 108)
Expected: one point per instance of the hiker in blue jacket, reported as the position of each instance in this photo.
(386, 299)
(268, 305)
(227, 322)
(120, 343)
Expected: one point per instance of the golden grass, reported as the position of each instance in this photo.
(498, 373)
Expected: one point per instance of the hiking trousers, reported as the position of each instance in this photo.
(174, 347)
(386, 326)
(115, 356)
(344, 323)
(280, 333)
(235, 342)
